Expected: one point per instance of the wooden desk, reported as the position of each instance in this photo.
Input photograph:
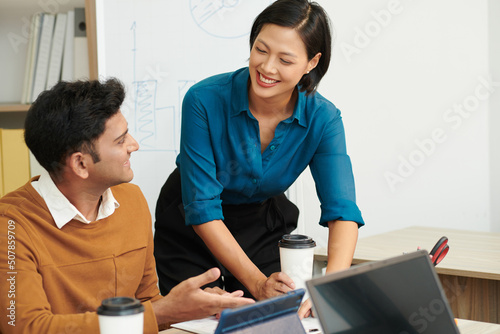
(465, 327)
(470, 273)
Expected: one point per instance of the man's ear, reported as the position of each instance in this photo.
(78, 164)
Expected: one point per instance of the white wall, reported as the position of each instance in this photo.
(400, 72)
(494, 113)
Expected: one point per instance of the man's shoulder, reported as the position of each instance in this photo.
(16, 199)
(126, 192)
(126, 189)
(22, 208)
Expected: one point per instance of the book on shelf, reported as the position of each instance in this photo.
(43, 55)
(31, 57)
(57, 50)
(67, 64)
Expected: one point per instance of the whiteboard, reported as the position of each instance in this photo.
(159, 49)
(399, 69)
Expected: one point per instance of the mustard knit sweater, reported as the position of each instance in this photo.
(52, 280)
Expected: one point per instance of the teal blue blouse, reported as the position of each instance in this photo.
(220, 157)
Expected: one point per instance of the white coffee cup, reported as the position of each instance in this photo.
(118, 315)
(297, 258)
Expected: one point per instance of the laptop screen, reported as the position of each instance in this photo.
(400, 295)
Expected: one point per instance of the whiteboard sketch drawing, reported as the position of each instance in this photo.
(226, 18)
(147, 115)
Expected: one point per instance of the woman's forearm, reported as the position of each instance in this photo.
(342, 239)
(226, 249)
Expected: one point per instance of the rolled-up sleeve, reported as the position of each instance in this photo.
(332, 172)
(200, 188)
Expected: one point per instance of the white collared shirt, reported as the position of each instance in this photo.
(61, 208)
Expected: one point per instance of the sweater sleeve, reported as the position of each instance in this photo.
(148, 291)
(24, 307)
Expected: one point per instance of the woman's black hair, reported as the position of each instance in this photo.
(311, 23)
(69, 118)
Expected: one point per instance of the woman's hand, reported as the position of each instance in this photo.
(305, 309)
(226, 249)
(274, 285)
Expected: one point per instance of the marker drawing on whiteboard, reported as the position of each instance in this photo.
(147, 115)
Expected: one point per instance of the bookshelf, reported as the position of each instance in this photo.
(14, 107)
(13, 17)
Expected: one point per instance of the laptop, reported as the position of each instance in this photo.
(400, 295)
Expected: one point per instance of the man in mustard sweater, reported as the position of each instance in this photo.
(81, 233)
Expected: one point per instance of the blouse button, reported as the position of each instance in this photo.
(272, 147)
(254, 181)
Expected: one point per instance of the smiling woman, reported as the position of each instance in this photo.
(278, 59)
(246, 137)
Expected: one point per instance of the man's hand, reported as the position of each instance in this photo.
(186, 301)
(274, 285)
(218, 291)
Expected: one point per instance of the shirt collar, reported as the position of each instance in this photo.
(61, 208)
(240, 101)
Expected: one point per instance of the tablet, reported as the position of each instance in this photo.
(277, 315)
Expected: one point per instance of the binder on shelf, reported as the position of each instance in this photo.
(14, 160)
(81, 53)
(56, 52)
(68, 64)
(42, 62)
(29, 73)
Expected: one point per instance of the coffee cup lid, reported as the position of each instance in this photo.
(120, 306)
(296, 241)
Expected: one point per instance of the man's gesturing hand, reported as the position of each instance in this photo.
(187, 301)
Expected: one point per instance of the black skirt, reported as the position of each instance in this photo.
(180, 253)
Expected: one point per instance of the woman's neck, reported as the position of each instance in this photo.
(279, 106)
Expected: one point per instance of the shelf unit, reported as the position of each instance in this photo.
(9, 111)
(14, 107)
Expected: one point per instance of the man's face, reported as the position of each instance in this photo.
(114, 148)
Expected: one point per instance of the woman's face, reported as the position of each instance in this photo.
(278, 60)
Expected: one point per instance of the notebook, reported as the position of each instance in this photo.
(399, 295)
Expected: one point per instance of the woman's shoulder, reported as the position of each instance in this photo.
(217, 81)
(317, 104)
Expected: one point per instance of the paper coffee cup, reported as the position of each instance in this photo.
(120, 315)
(297, 258)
